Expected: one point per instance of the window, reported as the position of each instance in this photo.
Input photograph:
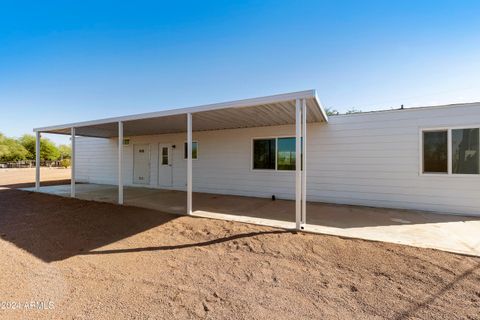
(451, 151)
(264, 154)
(274, 154)
(194, 150)
(286, 154)
(435, 151)
(164, 155)
(465, 151)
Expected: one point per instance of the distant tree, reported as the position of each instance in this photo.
(65, 151)
(334, 112)
(65, 163)
(4, 149)
(353, 110)
(11, 150)
(28, 142)
(331, 112)
(48, 150)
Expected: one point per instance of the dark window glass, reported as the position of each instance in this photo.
(164, 155)
(286, 154)
(264, 154)
(465, 151)
(435, 152)
(194, 150)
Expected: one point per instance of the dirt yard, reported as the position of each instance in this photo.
(25, 177)
(88, 260)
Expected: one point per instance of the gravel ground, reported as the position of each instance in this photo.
(22, 178)
(89, 260)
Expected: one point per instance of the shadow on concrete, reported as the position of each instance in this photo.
(190, 245)
(56, 228)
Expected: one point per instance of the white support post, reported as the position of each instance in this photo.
(298, 173)
(304, 163)
(37, 161)
(72, 165)
(189, 163)
(120, 162)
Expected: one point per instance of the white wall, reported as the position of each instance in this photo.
(366, 159)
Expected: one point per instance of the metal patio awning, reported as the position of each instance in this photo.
(297, 108)
(257, 112)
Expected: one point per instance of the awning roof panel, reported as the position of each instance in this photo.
(257, 112)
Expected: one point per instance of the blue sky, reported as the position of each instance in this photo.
(70, 61)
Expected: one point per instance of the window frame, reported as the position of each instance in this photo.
(198, 148)
(449, 173)
(276, 153)
(161, 155)
(252, 150)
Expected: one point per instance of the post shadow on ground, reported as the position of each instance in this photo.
(190, 245)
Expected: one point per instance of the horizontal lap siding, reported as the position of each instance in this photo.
(96, 160)
(373, 159)
(365, 159)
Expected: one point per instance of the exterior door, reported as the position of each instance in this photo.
(165, 172)
(141, 164)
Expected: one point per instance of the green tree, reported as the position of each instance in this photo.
(28, 142)
(48, 150)
(4, 150)
(11, 150)
(331, 112)
(65, 151)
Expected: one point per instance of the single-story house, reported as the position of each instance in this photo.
(423, 158)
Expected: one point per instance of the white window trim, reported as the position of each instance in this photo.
(449, 152)
(276, 154)
(198, 149)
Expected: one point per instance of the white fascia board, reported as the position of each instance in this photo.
(319, 104)
(307, 94)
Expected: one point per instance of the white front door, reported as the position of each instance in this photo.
(141, 164)
(165, 173)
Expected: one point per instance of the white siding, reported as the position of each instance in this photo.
(96, 160)
(366, 159)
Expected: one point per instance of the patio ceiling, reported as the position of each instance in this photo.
(256, 112)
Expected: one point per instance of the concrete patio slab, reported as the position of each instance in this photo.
(453, 233)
